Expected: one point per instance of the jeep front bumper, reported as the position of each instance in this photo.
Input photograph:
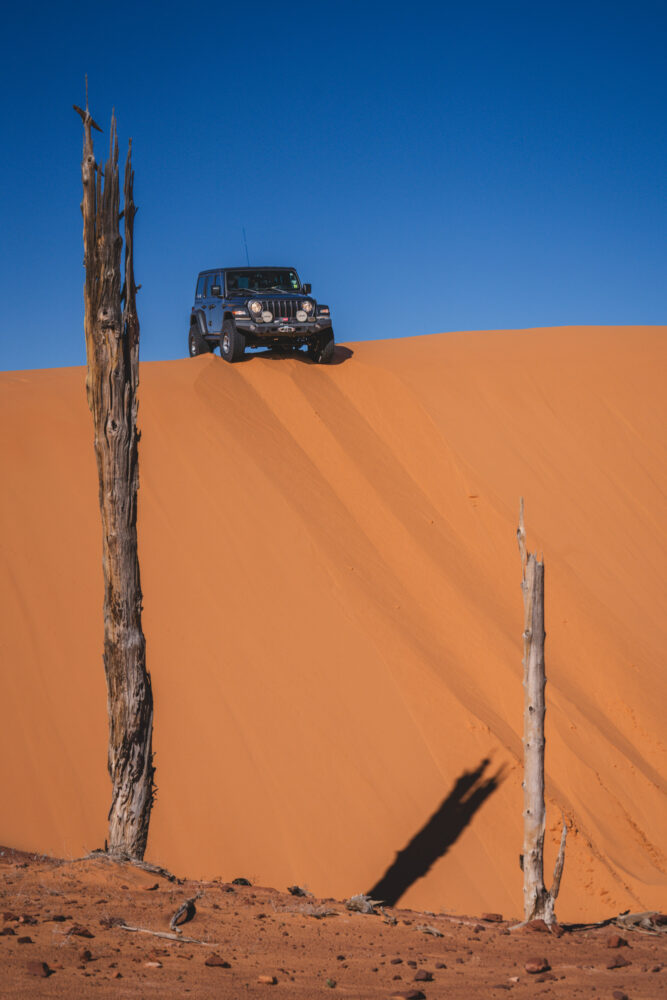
(288, 328)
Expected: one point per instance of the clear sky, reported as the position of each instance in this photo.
(427, 167)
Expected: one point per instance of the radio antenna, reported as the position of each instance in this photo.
(245, 243)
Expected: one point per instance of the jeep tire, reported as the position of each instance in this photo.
(232, 341)
(197, 344)
(321, 348)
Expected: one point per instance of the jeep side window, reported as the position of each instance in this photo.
(199, 294)
(217, 280)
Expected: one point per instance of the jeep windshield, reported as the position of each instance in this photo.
(264, 279)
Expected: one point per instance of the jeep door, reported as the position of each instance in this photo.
(213, 305)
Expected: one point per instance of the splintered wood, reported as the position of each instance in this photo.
(112, 349)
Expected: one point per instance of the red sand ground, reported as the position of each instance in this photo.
(61, 937)
(333, 615)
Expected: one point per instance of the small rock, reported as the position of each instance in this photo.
(618, 962)
(620, 995)
(8, 915)
(216, 961)
(411, 962)
(410, 995)
(80, 931)
(423, 976)
(25, 939)
(153, 965)
(26, 918)
(340, 958)
(396, 961)
(110, 922)
(492, 918)
(267, 980)
(331, 983)
(656, 968)
(8, 930)
(556, 930)
(241, 881)
(119, 975)
(158, 954)
(39, 969)
(659, 919)
(616, 941)
(537, 965)
(546, 977)
(536, 925)
(296, 890)
(148, 888)
(85, 955)
(459, 960)
(478, 928)
(440, 965)
(514, 979)
(59, 918)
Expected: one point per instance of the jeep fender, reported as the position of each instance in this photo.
(197, 319)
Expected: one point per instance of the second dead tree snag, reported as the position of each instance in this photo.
(112, 349)
(538, 901)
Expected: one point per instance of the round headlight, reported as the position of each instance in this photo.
(301, 315)
(307, 306)
(255, 307)
(267, 316)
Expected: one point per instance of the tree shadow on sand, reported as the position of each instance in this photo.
(438, 834)
(341, 355)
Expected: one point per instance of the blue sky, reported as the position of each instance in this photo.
(427, 167)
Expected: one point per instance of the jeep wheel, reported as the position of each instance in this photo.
(232, 342)
(196, 343)
(321, 348)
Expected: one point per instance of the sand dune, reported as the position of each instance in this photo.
(333, 615)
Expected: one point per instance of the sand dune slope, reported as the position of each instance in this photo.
(333, 615)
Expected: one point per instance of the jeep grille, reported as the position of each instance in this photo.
(281, 307)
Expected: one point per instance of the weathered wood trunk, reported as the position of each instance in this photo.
(112, 348)
(538, 901)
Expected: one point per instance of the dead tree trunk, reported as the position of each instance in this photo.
(112, 349)
(538, 901)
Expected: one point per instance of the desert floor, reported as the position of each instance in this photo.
(62, 937)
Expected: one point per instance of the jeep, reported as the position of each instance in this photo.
(239, 307)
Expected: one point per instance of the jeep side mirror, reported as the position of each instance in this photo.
(215, 291)
(307, 289)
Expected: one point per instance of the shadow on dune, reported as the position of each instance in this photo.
(438, 833)
(341, 355)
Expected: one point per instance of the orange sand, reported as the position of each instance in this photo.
(333, 612)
